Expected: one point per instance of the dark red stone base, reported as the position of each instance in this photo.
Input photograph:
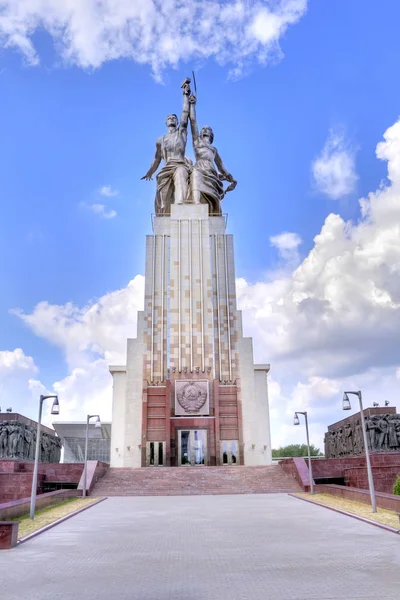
(8, 534)
(352, 469)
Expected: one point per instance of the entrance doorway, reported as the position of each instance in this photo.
(192, 447)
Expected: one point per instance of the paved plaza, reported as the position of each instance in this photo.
(259, 547)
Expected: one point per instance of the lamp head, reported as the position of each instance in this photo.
(98, 422)
(376, 404)
(296, 419)
(55, 409)
(9, 410)
(346, 402)
(387, 402)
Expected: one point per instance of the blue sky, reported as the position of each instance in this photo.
(76, 118)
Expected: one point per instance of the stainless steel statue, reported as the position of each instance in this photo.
(179, 181)
(205, 182)
(173, 179)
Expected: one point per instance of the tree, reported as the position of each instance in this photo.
(396, 488)
(295, 450)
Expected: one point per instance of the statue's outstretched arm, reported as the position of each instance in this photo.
(193, 119)
(221, 167)
(185, 108)
(156, 162)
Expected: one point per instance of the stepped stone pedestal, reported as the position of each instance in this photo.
(190, 393)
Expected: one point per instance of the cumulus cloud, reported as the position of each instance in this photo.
(108, 191)
(334, 170)
(337, 315)
(287, 245)
(91, 338)
(159, 33)
(98, 329)
(329, 324)
(16, 360)
(100, 209)
(16, 371)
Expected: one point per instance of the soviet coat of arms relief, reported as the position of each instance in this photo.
(191, 398)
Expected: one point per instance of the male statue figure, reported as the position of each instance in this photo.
(173, 179)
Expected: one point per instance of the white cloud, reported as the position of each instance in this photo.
(91, 338)
(336, 317)
(100, 209)
(16, 370)
(334, 170)
(154, 32)
(287, 245)
(330, 324)
(108, 191)
(14, 361)
(98, 329)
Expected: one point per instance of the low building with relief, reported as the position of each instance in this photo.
(345, 438)
(189, 393)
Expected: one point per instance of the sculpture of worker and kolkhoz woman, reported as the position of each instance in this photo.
(383, 435)
(18, 441)
(179, 181)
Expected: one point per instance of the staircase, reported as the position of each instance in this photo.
(182, 481)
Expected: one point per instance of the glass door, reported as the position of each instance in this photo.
(192, 447)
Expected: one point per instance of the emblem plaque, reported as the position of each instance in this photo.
(191, 398)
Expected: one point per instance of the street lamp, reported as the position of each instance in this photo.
(347, 406)
(55, 410)
(296, 421)
(97, 424)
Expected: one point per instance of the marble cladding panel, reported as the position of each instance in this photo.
(190, 289)
(226, 325)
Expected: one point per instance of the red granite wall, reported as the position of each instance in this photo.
(16, 476)
(385, 469)
(17, 485)
(12, 509)
(383, 500)
(298, 469)
(384, 478)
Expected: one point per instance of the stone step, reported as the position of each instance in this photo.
(173, 481)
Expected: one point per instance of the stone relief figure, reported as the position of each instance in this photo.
(392, 434)
(205, 181)
(14, 436)
(348, 431)
(28, 443)
(4, 439)
(383, 433)
(173, 179)
(358, 439)
(370, 426)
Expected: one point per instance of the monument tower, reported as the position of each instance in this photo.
(190, 393)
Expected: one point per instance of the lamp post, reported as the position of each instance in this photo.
(347, 406)
(55, 410)
(97, 424)
(297, 422)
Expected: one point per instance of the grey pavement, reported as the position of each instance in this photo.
(259, 547)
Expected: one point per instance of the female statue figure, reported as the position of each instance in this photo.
(205, 182)
(173, 179)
